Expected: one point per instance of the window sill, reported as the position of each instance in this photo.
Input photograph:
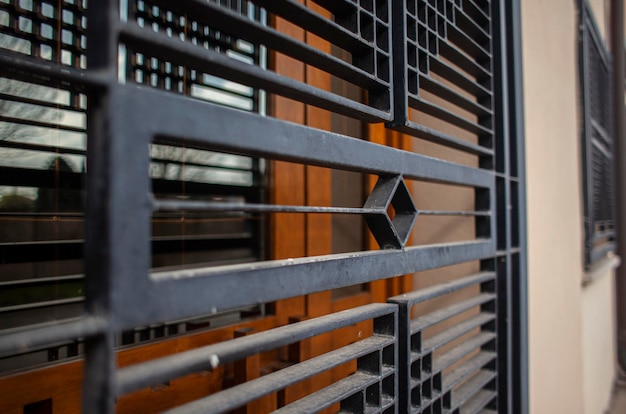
(610, 262)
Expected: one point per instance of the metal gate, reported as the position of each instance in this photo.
(441, 71)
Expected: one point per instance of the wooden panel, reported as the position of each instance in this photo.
(63, 382)
(287, 180)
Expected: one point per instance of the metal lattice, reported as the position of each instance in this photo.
(437, 70)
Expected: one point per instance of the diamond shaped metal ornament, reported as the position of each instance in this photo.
(390, 233)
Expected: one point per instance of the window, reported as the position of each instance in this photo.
(43, 145)
(597, 140)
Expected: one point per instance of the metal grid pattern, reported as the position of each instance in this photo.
(428, 383)
(360, 31)
(448, 54)
(372, 388)
(49, 30)
(43, 140)
(598, 182)
(400, 368)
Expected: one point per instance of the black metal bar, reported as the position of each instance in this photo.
(48, 71)
(443, 289)
(39, 147)
(215, 63)
(462, 350)
(421, 131)
(249, 391)
(41, 124)
(209, 206)
(154, 372)
(447, 116)
(174, 117)
(445, 92)
(436, 317)
(224, 19)
(472, 46)
(518, 349)
(100, 266)
(314, 23)
(617, 46)
(29, 338)
(174, 205)
(197, 291)
(332, 394)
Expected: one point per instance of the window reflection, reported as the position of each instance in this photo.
(43, 164)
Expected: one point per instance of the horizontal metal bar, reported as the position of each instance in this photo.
(42, 124)
(467, 44)
(175, 116)
(55, 215)
(40, 103)
(438, 137)
(175, 205)
(239, 395)
(39, 305)
(458, 330)
(471, 388)
(330, 395)
(456, 56)
(52, 71)
(460, 351)
(454, 213)
(198, 291)
(475, 13)
(314, 23)
(203, 165)
(218, 64)
(467, 369)
(601, 130)
(222, 18)
(436, 317)
(337, 7)
(41, 280)
(457, 77)
(432, 292)
(470, 27)
(38, 147)
(447, 115)
(602, 146)
(210, 357)
(21, 342)
(445, 92)
(476, 404)
(162, 205)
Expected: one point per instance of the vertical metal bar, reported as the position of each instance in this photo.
(583, 69)
(502, 264)
(617, 46)
(98, 381)
(519, 283)
(399, 88)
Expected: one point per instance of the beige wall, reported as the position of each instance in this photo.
(599, 354)
(571, 335)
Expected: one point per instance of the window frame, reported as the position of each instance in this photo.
(597, 142)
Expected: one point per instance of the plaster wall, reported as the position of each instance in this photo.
(554, 207)
(571, 327)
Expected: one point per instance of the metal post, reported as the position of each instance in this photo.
(617, 46)
(99, 371)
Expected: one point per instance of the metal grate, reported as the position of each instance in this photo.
(437, 70)
(597, 135)
(43, 144)
(428, 383)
